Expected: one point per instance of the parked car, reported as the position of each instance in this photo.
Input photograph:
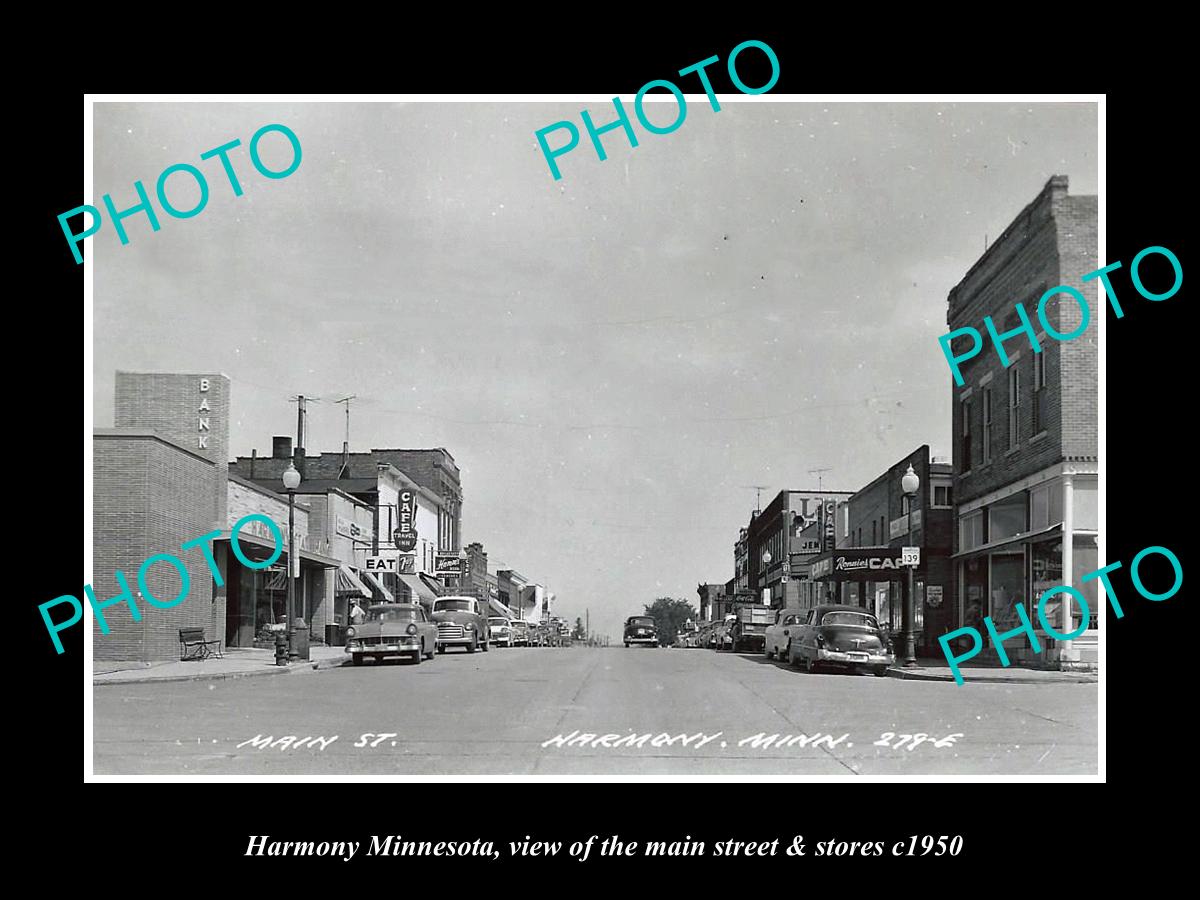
(748, 627)
(844, 636)
(641, 630)
(705, 637)
(779, 634)
(500, 630)
(460, 623)
(686, 635)
(520, 633)
(721, 637)
(392, 629)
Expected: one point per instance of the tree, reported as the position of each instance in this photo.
(669, 615)
(579, 633)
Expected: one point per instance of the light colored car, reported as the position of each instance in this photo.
(460, 623)
(501, 630)
(779, 635)
(520, 633)
(392, 629)
(844, 636)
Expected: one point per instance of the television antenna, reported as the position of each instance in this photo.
(758, 489)
(818, 472)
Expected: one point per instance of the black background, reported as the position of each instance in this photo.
(1035, 837)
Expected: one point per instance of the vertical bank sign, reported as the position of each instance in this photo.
(203, 415)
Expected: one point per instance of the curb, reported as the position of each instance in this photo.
(224, 676)
(1004, 679)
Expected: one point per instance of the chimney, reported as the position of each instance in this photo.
(281, 447)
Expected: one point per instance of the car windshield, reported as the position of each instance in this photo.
(393, 614)
(497, 621)
(642, 621)
(452, 605)
(862, 620)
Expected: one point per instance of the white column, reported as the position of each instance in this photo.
(1068, 559)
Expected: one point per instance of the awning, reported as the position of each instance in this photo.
(349, 583)
(387, 595)
(419, 588)
(1026, 538)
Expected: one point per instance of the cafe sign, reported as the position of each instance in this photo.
(865, 565)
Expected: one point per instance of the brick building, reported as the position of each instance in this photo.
(775, 550)
(1025, 433)
(434, 470)
(159, 482)
(876, 517)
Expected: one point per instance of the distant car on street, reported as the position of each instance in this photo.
(501, 630)
(392, 629)
(843, 636)
(722, 639)
(641, 630)
(520, 633)
(779, 635)
(460, 623)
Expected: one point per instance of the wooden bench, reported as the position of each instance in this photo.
(192, 645)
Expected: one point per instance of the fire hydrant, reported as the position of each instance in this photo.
(281, 649)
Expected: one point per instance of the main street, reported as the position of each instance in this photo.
(491, 714)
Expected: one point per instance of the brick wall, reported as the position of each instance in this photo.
(151, 496)
(1051, 242)
(170, 404)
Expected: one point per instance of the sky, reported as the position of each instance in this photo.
(614, 358)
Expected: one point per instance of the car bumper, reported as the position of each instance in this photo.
(855, 659)
(391, 649)
(464, 641)
(641, 640)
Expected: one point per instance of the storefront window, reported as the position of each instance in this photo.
(1007, 589)
(1046, 566)
(971, 531)
(1083, 562)
(974, 591)
(1007, 518)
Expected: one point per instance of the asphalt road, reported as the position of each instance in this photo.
(490, 714)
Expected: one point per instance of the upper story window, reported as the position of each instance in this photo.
(965, 435)
(986, 399)
(1039, 392)
(1014, 405)
(941, 495)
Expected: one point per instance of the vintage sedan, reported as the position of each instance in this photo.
(461, 622)
(520, 633)
(501, 630)
(392, 629)
(844, 636)
(641, 630)
(779, 635)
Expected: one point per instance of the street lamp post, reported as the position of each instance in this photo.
(910, 483)
(291, 481)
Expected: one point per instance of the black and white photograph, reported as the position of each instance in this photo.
(533, 438)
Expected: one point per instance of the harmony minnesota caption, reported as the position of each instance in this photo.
(395, 845)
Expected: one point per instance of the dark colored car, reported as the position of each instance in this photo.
(461, 623)
(844, 636)
(641, 630)
(392, 629)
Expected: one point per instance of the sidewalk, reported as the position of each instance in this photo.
(238, 663)
(931, 669)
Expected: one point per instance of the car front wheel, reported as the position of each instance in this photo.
(358, 659)
(471, 646)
